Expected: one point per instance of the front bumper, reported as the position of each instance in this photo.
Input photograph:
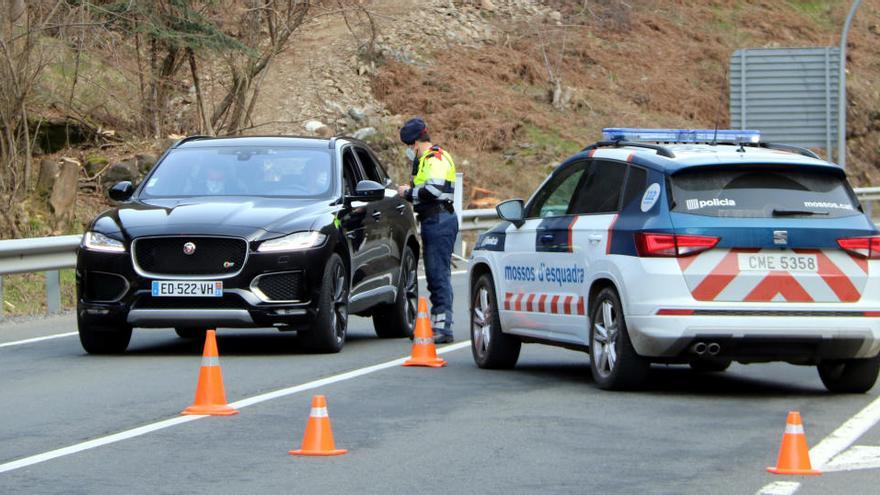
(241, 306)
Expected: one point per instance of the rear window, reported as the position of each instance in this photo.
(762, 193)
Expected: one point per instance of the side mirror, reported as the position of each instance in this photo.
(368, 190)
(512, 210)
(121, 191)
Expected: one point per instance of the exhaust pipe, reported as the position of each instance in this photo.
(699, 348)
(713, 348)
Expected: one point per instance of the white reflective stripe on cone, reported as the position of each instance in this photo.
(210, 361)
(423, 315)
(423, 340)
(319, 412)
(794, 429)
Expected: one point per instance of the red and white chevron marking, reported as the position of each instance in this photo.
(716, 276)
(533, 302)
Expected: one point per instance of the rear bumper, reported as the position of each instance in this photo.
(796, 339)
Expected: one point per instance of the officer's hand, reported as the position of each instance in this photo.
(401, 191)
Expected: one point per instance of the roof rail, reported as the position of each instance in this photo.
(188, 139)
(332, 142)
(786, 147)
(661, 150)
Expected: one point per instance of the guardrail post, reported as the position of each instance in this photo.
(2, 301)
(53, 291)
(869, 208)
(458, 204)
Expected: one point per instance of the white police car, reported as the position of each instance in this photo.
(709, 248)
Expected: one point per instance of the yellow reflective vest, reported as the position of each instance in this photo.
(434, 180)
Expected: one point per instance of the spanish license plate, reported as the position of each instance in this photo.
(187, 288)
(783, 262)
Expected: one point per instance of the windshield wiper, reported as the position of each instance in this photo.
(791, 213)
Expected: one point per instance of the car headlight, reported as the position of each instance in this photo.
(97, 241)
(293, 242)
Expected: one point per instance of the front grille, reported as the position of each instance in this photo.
(285, 286)
(227, 301)
(104, 287)
(217, 256)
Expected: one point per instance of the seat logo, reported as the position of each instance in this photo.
(780, 237)
(189, 248)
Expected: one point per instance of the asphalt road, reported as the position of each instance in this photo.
(543, 427)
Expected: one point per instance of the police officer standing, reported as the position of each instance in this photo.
(431, 194)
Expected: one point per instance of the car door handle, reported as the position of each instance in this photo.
(594, 238)
(547, 238)
(377, 215)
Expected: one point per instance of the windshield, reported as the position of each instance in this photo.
(762, 192)
(242, 171)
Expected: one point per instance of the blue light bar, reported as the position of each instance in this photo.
(680, 135)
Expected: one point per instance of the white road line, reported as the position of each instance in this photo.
(779, 488)
(37, 339)
(70, 334)
(167, 423)
(457, 272)
(846, 434)
(832, 445)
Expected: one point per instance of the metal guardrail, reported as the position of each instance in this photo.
(50, 254)
(39, 254)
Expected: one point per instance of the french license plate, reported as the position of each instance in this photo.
(783, 262)
(187, 288)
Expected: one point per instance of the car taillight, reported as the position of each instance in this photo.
(673, 245)
(865, 247)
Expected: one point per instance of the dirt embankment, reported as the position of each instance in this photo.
(634, 63)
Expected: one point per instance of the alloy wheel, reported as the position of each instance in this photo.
(339, 290)
(481, 328)
(605, 336)
(412, 290)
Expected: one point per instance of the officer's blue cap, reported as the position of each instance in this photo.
(412, 130)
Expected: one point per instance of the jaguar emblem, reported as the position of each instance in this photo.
(189, 248)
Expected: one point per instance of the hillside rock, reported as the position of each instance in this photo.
(64, 190)
(46, 178)
(118, 172)
(145, 163)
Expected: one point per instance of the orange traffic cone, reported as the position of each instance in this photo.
(210, 395)
(318, 439)
(794, 455)
(423, 351)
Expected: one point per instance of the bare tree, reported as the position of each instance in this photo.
(22, 59)
(265, 28)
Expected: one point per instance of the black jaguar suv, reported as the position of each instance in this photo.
(293, 233)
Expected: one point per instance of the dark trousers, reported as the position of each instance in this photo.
(438, 238)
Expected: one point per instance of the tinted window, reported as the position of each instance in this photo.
(762, 193)
(601, 192)
(242, 171)
(554, 198)
(372, 169)
(349, 172)
(635, 185)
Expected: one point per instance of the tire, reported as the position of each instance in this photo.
(191, 333)
(491, 348)
(327, 332)
(710, 365)
(100, 339)
(613, 361)
(853, 376)
(398, 319)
